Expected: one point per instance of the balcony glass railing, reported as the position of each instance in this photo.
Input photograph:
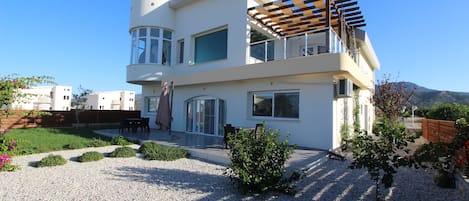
(304, 44)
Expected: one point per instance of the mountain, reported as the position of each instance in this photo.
(425, 97)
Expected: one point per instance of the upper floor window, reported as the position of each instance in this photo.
(180, 51)
(211, 46)
(151, 46)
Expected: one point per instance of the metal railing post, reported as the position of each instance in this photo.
(284, 48)
(306, 45)
(265, 51)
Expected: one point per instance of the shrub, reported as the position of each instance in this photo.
(75, 145)
(153, 151)
(450, 112)
(123, 152)
(120, 140)
(90, 156)
(98, 143)
(52, 160)
(5, 163)
(257, 162)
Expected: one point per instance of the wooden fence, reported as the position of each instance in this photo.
(27, 119)
(438, 130)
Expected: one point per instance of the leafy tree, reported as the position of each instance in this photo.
(392, 98)
(384, 151)
(10, 90)
(79, 101)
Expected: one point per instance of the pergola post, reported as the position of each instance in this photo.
(328, 25)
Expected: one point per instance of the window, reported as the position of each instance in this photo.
(212, 46)
(151, 46)
(180, 51)
(151, 103)
(276, 104)
(66, 97)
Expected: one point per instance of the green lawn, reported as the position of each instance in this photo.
(41, 140)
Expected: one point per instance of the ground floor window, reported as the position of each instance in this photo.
(151, 104)
(276, 104)
(205, 115)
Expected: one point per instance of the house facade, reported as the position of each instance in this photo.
(111, 100)
(57, 98)
(303, 67)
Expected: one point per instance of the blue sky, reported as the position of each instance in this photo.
(86, 42)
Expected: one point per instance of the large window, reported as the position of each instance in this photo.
(151, 46)
(276, 104)
(212, 46)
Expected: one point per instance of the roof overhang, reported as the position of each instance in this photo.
(287, 17)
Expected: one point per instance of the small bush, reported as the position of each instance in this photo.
(97, 142)
(75, 145)
(257, 161)
(90, 156)
(123, 152)
(120, 140)
(153, 151)
(52, 160)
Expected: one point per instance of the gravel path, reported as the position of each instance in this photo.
(191, 179)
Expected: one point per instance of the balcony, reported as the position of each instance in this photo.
(299, 45)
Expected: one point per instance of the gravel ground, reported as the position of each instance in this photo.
(191, 179)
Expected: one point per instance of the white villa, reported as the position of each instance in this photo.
(111, 100)
(57, 98)
(295, 64)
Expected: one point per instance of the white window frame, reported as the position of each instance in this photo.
(147, 104)
(160, 38)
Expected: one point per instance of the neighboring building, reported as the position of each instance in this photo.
(294, 64)
(111, 100)
(56, 98)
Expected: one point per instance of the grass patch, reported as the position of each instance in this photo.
(42, 140)
(52, 160)
(123, 152)
(154, 151)
(90, 156)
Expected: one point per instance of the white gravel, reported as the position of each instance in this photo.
(191, 179)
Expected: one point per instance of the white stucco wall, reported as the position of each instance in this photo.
(312, 129)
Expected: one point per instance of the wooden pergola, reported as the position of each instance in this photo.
(288, 17)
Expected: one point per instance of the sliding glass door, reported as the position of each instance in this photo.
(205, 115)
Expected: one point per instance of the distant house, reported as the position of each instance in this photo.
(57, 98)
(295, 64)
(111, 100)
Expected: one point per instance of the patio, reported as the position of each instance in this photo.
(211, 149)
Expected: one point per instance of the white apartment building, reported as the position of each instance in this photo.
(111, 100)
(295, 64)
(57, 98)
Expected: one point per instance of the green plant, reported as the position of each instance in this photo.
(97, 142)
(356, 110)
(153, 151)
(52, 160)
(450, 112)
(257, 161)
(75, 145)
(43, 140)
(90, 156)
(5, 163)
(120, 140)
(123, 152)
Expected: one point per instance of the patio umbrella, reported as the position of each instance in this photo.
(163, 117)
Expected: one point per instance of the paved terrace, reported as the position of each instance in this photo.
(211, 149)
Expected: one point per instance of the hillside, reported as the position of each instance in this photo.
(425, 97)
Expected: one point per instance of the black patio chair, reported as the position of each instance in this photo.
(145, 125)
